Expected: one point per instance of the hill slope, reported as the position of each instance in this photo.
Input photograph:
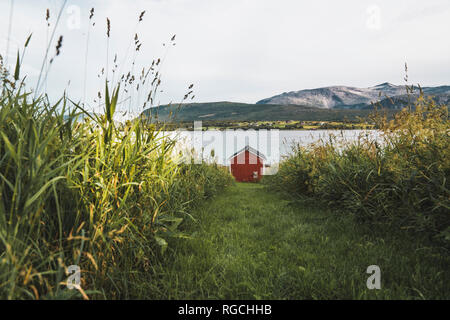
(249, 112)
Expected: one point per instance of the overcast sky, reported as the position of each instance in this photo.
(238, 50)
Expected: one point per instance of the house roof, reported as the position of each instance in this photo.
(251, 150)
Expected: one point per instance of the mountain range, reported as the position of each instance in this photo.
(333, 103)
(342, 97)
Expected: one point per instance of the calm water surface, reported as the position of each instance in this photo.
(218, 146)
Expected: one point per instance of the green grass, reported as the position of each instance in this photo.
(401, 178)
(78, 189)
(86, 193)
(250, 243)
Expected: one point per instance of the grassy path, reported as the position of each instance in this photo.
(251, 244)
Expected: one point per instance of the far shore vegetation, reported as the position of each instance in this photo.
(268, 125)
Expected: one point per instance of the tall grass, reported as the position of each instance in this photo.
(77, 189)
(402, 179)
(86, 193)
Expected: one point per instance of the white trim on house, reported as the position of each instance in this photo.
(251, 150)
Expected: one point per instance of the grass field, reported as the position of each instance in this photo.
(250, 243)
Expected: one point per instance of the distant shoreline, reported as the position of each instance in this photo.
(265, 125)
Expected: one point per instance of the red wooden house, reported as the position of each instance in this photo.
(247, 164)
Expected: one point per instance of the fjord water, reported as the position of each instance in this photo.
(218, 146)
